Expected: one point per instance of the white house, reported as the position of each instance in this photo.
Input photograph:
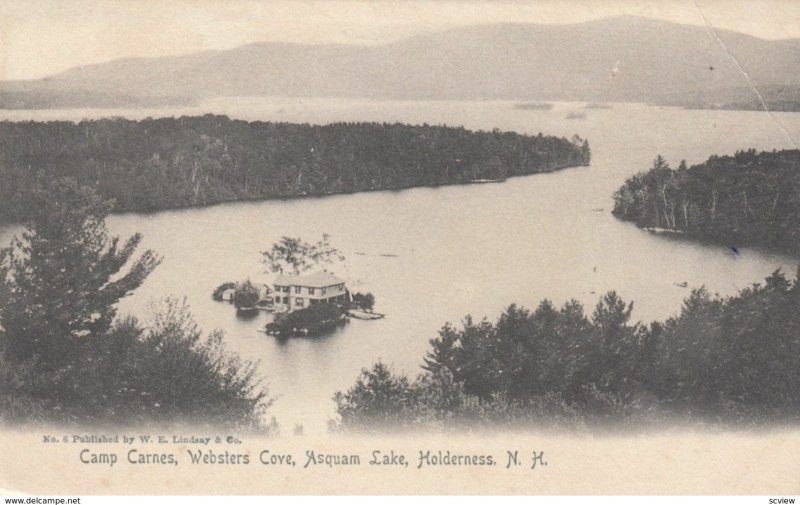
(294, 292)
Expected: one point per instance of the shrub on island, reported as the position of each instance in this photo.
(246, 296)
(363, 301)
(310, 321)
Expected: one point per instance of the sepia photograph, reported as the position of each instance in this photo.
(386, 247)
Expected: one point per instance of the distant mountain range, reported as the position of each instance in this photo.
(615, 59)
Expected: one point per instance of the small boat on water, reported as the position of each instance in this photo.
(576, 115)
(683, 284)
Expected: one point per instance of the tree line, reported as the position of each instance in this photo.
(163, 163)
(720, 360)
(748, 198)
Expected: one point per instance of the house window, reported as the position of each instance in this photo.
(297, 289)
(324, 290)
(299, 302)
(310, 291)
(286, 300)
(277, 299)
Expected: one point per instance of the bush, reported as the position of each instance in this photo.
(246, 295)
(167, 374)
(364, 301)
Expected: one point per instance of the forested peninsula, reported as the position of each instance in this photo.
(155, 164)
(749, 198)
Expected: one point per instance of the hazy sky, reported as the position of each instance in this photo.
(39, 37)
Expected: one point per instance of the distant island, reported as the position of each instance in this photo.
(598, 105)
(156, 164)
(752, 105)
(749, 198)
(533, 106)
(784, 98)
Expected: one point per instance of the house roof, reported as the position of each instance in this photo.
(315, 280)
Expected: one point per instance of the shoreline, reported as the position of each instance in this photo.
(691, 238)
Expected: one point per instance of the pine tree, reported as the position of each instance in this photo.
(61, 280)
(586, 153)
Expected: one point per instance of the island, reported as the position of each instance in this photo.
(533, 106)
(305, 298)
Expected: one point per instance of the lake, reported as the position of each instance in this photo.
(432, 255)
